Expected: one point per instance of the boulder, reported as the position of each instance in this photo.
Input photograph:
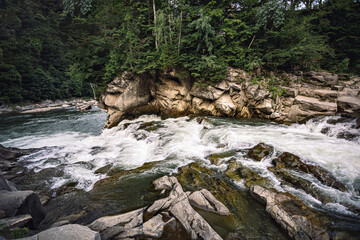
(125, 94)
(5, 184)
(203, 199)
(66, 232)
(349, 104)
(237, 171)
(12, 154)
(266, 106)
(225, 106)
(291, 214)
(260, 151)
(209, 93)
(20, 203)
(192, 221)
(219, 158)
(313, 104)
(291, 161)
(154, 227)
(14, 222)
(127, 220)
(321, 78)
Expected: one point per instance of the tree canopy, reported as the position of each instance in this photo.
(54, 49)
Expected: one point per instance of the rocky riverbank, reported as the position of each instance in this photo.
(47, 105)
(194, 203)
(285, 98)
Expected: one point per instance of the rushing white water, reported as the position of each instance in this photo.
(82, 148)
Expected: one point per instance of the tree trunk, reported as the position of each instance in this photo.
(156, 37)
(181, 16)
(251, 42)
(93, 90)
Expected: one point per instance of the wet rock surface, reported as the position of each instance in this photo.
(210, 206)
(151, 222)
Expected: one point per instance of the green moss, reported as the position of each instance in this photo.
(19, 232)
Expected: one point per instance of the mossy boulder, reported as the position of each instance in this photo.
(260, 151)
(299, 221)
(291, 161)
(237, 171)
(218, 158)
(247, 215)
(121, 173)
(287, 178)
(150, 126)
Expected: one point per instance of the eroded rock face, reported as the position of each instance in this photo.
(320, 94)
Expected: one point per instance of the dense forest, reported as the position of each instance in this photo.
(53, 49)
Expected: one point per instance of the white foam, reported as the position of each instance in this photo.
(179, 141)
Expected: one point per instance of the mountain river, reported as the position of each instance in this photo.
(82, 153)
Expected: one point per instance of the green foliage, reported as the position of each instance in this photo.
(270, 15)
(55, 49)
(19, 232)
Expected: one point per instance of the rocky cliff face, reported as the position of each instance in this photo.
(285, 99)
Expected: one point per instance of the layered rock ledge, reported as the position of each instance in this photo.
(286, 98)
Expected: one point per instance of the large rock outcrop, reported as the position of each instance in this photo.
(292, 99)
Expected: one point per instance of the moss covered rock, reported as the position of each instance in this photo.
(260, 151)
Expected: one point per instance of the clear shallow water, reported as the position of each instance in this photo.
(77, 144)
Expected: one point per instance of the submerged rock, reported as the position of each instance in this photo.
(291, 161)
(260, 151)
(218, 158)
(238, 172)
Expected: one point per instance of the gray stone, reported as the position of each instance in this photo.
(205, 200)
(154, 227)
(66, 232)
(22, 202)
(194, 223)
(60, 223)
(14, 222)
(266, 106)
(130, 233)
(225, 106)
(209, 93)
(291, 214)
(349, 104)
(125, 219)
(313, 104)
(5, 184)
(164, 183)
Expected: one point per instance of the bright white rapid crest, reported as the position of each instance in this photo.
(81, 150)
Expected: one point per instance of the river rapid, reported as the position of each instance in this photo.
(75, 144)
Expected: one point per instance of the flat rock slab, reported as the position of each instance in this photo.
(14, 222)
(313, 104)
(127, 220)
(205, 200)
(66, 232)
